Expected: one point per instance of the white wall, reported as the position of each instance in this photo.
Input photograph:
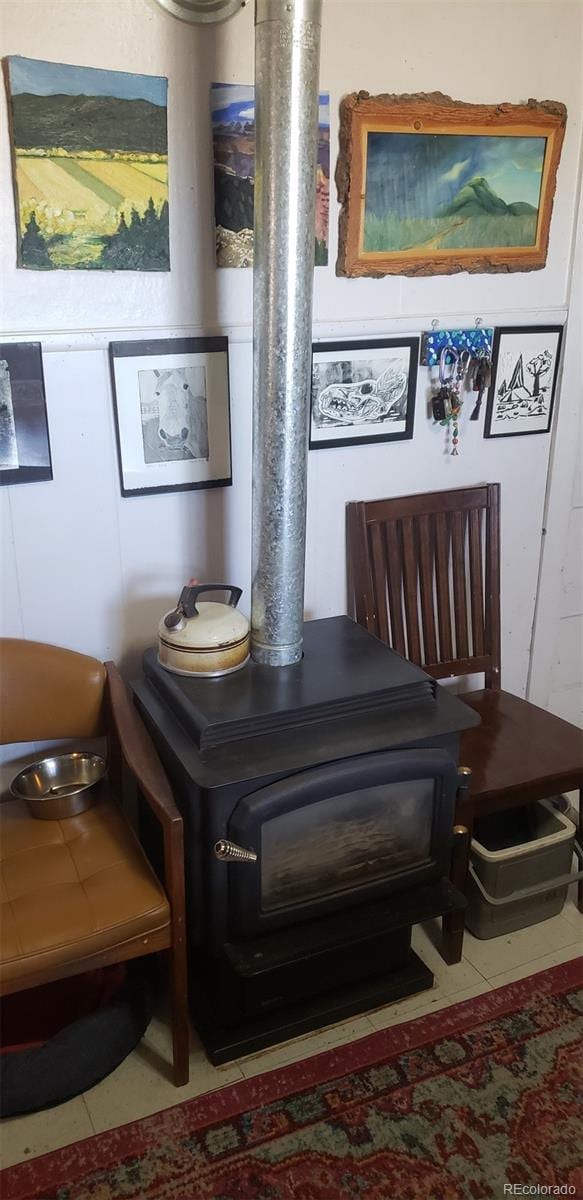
(566, 698)
(86, 568)
(556, 668)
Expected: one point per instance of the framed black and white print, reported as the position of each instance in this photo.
(524, 379)
(172, 414)
(25, 452)
(363, 392)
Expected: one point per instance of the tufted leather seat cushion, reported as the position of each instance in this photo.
(71, 889)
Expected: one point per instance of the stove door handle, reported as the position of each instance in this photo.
(227, 851)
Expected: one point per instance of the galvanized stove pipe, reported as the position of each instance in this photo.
(287, 52)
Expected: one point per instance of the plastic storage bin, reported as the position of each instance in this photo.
(520, 867)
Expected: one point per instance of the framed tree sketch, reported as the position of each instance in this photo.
(172, 414)
(25, 452)
(430, 186)
(524, 380)
(363, 392)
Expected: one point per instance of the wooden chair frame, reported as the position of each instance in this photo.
(424, 575)
(129, 742)
(380, 558)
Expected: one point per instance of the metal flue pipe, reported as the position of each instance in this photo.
(287, 53)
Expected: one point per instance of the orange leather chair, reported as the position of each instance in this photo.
(80, 893)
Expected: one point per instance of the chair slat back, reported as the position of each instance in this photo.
(425, 572)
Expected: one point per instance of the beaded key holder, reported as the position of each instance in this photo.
(447, 403)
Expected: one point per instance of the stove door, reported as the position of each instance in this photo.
(339, 835)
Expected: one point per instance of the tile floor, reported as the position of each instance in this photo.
(141, 1085)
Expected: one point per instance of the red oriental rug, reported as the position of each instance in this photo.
(474, 1102)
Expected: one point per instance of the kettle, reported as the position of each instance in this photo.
(204, 638)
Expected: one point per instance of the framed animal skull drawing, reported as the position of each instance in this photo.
(363, 392)
(172, 414)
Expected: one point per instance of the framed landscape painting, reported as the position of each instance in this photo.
(363, 392)
(90, 167)
(524, 380)
(233, 123)
(431, 186)
(172, 414)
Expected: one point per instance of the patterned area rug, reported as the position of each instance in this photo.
(460, 1105)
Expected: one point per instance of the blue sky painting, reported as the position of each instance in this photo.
(234, 102)
(38, 78)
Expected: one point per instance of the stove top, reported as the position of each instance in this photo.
(345, 672)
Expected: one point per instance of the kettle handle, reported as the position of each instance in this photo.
(190, 594)
(186, 606)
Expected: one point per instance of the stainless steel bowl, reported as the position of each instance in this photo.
(61, 786)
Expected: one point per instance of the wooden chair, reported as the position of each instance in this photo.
(80, 893)
(425, 575)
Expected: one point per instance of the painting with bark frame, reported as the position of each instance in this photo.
(363, 392)
(431, 186)
(524, 379)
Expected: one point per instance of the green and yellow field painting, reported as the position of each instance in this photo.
(90, 154)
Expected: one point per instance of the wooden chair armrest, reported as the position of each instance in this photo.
(138, 749)
(129, 741)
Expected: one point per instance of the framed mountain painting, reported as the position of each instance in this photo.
(432, 186)
(524, 380)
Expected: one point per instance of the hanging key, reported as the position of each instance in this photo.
(462, 367)
(480, 384)
(441, 404)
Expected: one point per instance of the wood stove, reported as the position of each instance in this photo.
(318, 802)
(317, 792)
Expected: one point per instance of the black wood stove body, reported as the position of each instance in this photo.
(336, 778)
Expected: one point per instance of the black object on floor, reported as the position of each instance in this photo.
(78, 1055)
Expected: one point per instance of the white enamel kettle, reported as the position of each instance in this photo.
(205, 638)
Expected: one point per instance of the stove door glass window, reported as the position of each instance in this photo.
(345, 842)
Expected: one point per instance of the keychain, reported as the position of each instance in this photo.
(442, 401)
(462, 367)
(480, 383)
(447, 402)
